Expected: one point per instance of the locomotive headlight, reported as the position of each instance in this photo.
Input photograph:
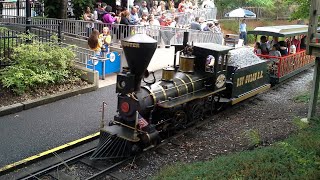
(125, 107)
(221, 80)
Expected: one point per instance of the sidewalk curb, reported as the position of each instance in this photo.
(14, 108)
(11, 109)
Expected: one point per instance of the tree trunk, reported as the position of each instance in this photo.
(63, 9)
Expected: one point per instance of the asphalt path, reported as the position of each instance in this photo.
(42, 128)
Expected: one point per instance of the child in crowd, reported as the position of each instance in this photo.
(94, 42)
(274, 51)
(264, 45)
(283, 48)
(257, 48)
(293, 49)
(105, 39)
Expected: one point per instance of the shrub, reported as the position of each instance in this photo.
(253, 136)
(37, 64)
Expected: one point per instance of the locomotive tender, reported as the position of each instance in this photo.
(185, 94)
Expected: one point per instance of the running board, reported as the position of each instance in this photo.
(250, 93)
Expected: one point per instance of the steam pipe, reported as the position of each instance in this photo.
(179, 48)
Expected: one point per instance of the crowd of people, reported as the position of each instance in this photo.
(160, 14)
(200, 24)
(278, 48)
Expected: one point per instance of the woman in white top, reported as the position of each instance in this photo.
(162, 7)
(154, 26)
(87, 16)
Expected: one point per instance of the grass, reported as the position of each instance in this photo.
(297, 157)
(305, 97)
(253, 136)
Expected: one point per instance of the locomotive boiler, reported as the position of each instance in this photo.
(198, 86)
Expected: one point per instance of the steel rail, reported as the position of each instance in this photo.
(47, 169)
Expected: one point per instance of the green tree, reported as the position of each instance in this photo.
(79, 7)
(260, 3)
(231, 4)
(55, 8)
(58, 8)
(302, 9)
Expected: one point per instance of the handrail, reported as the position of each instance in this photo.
(286, 64)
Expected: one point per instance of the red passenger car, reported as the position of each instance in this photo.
(290, 36)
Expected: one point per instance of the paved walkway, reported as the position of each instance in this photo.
(36, 130)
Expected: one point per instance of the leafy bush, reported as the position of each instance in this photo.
(295, 158)
(38, 64)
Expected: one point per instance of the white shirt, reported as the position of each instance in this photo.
(208, 4)
(293, 49)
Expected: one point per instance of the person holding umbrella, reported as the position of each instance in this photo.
(243, 31)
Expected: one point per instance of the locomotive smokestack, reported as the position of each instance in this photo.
(185, 38)
(138, 50)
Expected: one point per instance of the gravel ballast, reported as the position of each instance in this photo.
(270, 114)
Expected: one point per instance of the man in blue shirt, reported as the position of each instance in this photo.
(196, 24)
(243, 31)
(134, 18)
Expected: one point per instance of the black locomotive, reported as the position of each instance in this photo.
(185, 94)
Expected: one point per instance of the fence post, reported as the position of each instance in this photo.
(18, 7)
(28, 16)
(59, 31)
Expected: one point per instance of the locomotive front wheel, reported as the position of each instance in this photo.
(196, 112)
(180, 120)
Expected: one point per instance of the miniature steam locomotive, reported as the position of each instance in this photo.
(185, 94)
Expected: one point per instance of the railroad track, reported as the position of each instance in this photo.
(62, 170)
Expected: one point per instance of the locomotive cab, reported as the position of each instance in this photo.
(217, 54)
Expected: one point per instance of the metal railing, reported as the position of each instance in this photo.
(18, 8)
(82, 29)
(185, 18)
(10, 38)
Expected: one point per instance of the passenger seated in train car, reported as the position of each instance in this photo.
(275, 52)
(257, 48)
(303, 44)
(296, 43)
(292, 49)
(283, 48)
(275, 40)
(105, 37)
(264, 45)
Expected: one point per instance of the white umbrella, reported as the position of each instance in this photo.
(241, 13)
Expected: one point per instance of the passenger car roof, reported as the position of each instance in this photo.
(280, 31)
(216, 48)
